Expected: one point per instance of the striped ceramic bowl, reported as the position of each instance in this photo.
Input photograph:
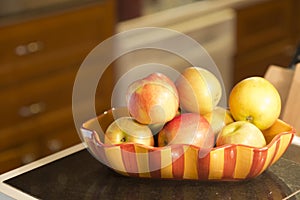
(228, 162)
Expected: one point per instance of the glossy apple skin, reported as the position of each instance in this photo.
(218, 118)
(153, 99)
(126, 129)
(241, 132)
(255, 100)
(199, 90)
(187, 128)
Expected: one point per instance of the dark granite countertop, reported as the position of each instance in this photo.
(293, 153)
(80, 176)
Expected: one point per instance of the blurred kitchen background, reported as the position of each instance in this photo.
(43, 43)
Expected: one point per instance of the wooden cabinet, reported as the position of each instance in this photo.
(266, 33)
(296, 20)
(40, 54)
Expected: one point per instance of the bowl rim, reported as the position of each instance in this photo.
(277, 137)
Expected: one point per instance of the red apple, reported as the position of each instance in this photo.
(153, 99)
(241, 132)
(126, 129)
(187, 128)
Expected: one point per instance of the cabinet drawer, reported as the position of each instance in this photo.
(37, 97)
(60, 139)
(19, 155)
(39, 147)
(262, 24)
(39, 59)
(41, 44)
(50, 120)
(257, 62)
(31, 129)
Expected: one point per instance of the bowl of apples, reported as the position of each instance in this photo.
(176, 130)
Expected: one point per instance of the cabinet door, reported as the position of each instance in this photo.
(257, 62)
(19, 155)
(60, 139)
(39, 59)
(297, 20)
(34, 98)
(264, 37)
(44, 44)
(263, 23)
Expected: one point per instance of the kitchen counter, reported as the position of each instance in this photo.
(75, 174)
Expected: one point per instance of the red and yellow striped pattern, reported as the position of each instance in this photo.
(229, 162)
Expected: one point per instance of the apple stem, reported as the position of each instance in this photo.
(249, 119)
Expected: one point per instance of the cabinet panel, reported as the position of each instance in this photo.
(263, 23)
(297, 20)
(265, 36)
(59, 140)
(19, 155)
(41, 45)
(35, 127)
(39, 59)
(37, 97)
(257, 62)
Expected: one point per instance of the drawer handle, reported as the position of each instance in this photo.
(32, 109)
(54, 145)
(32, 47)
(27, 158)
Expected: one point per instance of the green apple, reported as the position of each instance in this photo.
(241, 132)
(126, 129)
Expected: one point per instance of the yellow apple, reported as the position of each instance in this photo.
(126, 129)
(241, 132)
(199, 90)
(218, 118)
(153, 99)
(255, 100)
